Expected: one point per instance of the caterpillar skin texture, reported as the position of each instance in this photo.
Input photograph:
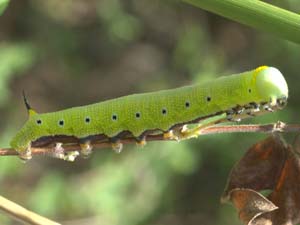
(139, 114)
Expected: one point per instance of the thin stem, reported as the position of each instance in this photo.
(22, 214)
(251, 128)
(257, 14)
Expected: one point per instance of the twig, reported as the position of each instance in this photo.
(22, 214)
(252, 128)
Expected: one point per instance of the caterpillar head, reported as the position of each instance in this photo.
(271, 85)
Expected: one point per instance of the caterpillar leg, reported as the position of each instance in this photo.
(60, 153)
(272, 104)
(86, 149)
(187, 133)
(183, 133)
(25, 154)
(252, 109)
(141, 141)
(171, 134)
(116, 145)
(71, 156)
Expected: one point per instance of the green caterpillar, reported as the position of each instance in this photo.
(237, 96)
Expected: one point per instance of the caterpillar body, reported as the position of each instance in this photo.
(236, 96)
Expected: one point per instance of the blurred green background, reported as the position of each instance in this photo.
(76, 52)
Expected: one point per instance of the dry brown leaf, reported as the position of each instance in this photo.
(269, 164)
(250, 204)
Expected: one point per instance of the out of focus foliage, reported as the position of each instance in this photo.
(75, 52)
(3, 5)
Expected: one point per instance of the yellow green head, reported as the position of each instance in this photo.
(270, 84)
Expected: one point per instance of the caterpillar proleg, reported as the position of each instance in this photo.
(232, 97)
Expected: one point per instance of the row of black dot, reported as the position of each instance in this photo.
(163, 111)
(137, 115)
(61, 122)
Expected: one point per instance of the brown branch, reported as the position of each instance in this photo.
(251, 128)
(22, 214)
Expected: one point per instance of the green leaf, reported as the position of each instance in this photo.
(257, 14)
(3, 5)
